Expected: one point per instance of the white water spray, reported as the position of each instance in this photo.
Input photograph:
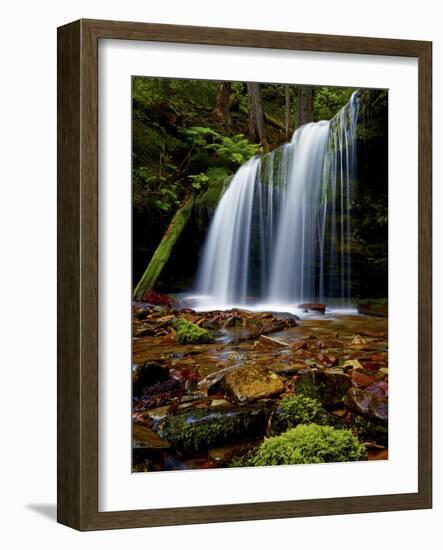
(281, 233)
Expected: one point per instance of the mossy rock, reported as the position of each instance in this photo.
(374, 307)
(195, 430)
(299, 409)
(326, 386)
(306, 444)
(190, 333)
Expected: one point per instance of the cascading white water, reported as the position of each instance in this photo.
(281, 232)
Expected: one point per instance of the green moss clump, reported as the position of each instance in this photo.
(306, 444)
(299, 409)
(190, 333)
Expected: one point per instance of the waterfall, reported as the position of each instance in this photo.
(281, 233)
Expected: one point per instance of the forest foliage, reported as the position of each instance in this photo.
(182, 140)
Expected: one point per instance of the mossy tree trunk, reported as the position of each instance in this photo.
(164, 249)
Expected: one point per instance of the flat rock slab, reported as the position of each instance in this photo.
(144, 438)
(268, 343)
(252, 382)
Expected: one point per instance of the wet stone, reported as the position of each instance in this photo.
(252, 382)
(328, 387)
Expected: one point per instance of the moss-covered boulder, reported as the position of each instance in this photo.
(327, 386)
(195, 430)
(298, 409)
(190, 333)
(306, 444)
(252, 382)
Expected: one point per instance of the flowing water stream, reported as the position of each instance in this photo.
(281, 233)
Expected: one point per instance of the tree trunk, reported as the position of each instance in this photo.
(164, 249)
(257, 125)
(287, 110)
(224, 101)
(305, 105)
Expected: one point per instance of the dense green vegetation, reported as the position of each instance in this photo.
(189, 136)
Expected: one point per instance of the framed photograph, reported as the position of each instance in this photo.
(244, 274)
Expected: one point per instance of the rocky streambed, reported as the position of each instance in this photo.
(209, 388)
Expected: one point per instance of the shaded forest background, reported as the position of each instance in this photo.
(190, 135)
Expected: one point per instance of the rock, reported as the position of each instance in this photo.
(370, 429)
(352, 363)
(158, 413)
(144, 438)
(195, 430)
(144, 330)
(298, 344)
(327, 387)
(361, 380)
(287, 370)
(235, 356)
(380, 389)
(223, 455)
(358, 342)
(159, 394)
(299, 409)
(327, 359)
(211, 323)
(146, 375)
(158, 299)
(376, 308)
(367, 404)
(378, 454)
(214, 378)
(252, 382)
(220, 403)
(313, 307)
(266, 342)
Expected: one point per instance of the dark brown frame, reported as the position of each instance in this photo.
(77, 273)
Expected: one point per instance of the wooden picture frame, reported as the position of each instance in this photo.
(78, 273)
